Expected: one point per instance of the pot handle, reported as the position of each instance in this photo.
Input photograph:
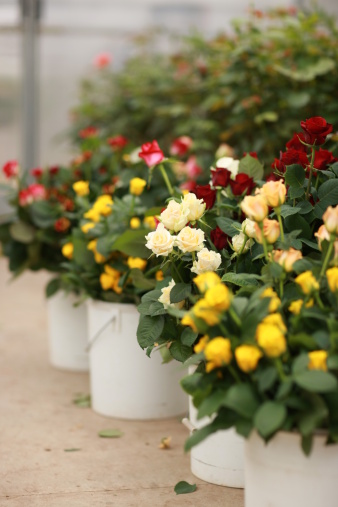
(188, 424)
(113, 319)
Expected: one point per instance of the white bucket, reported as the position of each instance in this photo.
(125, 383)
(219, 459)
(67, 332)
(279, 474)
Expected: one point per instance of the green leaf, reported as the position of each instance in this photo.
(188, 336)
(241, 398)
(332, 362)
(295, 176)
(190, 383)
(82, 400)
(111, 433)
(316, 381)
(140, 281)
(156, 210)
(179, 292)
(184, 487)
(328, 196)
(52, 287)
(269, 418)
(105, 243)
(22, 232)
(72, 449)
(307, 444)
(210, 404)
(149, 330)
(133, 242)
(251, 166)
(287, 210)
(179, 351)
(241, 279)
(230, 227)
(267, 378)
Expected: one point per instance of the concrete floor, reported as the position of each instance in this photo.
(39, 421)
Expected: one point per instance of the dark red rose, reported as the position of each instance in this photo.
(88, 132)
(290, 157)
(220, 177)
(118, 142)
(242, 183)
(295, 142)
(37, 172)
(11, 168)
(206, 193)
(62, 224)
(322, 159)
(180, 145)
(278, 165)
(151, 153)
(53, 170)
(252, 154)
(219, 238)
(315, 130)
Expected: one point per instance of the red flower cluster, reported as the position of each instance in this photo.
(88, 132)
(242, 183)
(180, 146)
(118, 142)
(34, 192)
(151, 153)
(37, 172)
(11, 168)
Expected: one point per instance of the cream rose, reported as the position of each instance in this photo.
(228, 163)
(194, 206)
(287, 258)
(274, 193)
(271, 231)
(248, 228)
(207, 260)
(174, 217)
(190, 240)
(161, 242)
(255, 207)
(165, 297)
(238, 242)
(330, 219)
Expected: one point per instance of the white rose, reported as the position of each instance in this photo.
(174, 217)
(133, 156)
(161, 242)
(190, 240)
(248, 227)
(165, 298)
(228, 163)
(238, 242)
(207, 260)
(194, 206)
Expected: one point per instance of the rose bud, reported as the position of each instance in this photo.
(180, 145)
(274, 193)
(255, 207)
(322, 234)
(330, 219)
(151, 153)
(271, 231)
(220, 177)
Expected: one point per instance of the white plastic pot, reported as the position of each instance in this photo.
(67, 332)
(280, 475)
(125, 383)
(219, 459)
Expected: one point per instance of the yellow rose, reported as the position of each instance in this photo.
(275, 302)
(247, 357)
(206, 281)
(255, 207)
(321, 235)
(137, 262)
(317, 360)
(110, 279)
(159, 276)
(296, 306)
(287, 258)
(68, 250)
(81, 188)
(218, 297)
(106, 281)
(190, 240)
(307, 282)
(136, 186)
(217, 353)
(271, 231)
(112, 272)
(135, 223)
(203, 310)
(330, 219)
(103, 205)
(271, 339)
(332, 279)
(150, 222)
(187, 320)
(275, 319)
(274, 193)
(92, 214)
(86, 227)
(200, 346)
(161, 242)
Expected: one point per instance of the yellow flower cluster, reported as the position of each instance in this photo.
(92, 246)
(216, 300)
(81, 188)
(136, 263)
(217, 353)
(307, 282)
(317, 360)
(110, 279)
(68, 250)
(247, 357)
(101, 207)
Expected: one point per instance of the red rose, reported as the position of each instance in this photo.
(220, 177)
(315, 130)
(88, 132)
(188, 185)
(37, 172)
(242, 183)
(192, 168)
(25, 197)
(37, 191)
(219, 238)
(295, 142)
(11, 168)
(151, 153)
(322, 159)
(102, 60)
(54, 170)
(181, 145)
(290, 157)
(118, 142)
(62, 224)
(206, 193)
(252, 154)
(278, 165)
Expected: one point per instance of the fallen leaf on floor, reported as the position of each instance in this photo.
(184, 487)
(72, 449)
(165, 443)
(110, 433)
(82, 400)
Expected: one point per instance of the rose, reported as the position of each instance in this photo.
(274, 193)
(242, 183)
(67, 250)
(136, 263)
(323, 158)
(160, 241)
(37, 172)
(11, 168)
(290, 157)
(103, 205)
(271, 339)
(317, 360)
(248, 228)
(192, 168)
(118, 142)
(220, 177)
(188, 185)
(180, 145)
(255, 207)
(228, 163)
(205, 281)
(135, 223)
(307, 282)
(271, 231)
(136, 186)
(330, 219)
(88, 132)
(53, 170)
(219, 238)
(206, 193)
(287, 258)
(322, 235)
(190, 240)
(195, 207)
(62, 224)
(224, 150)
(165, 297)
(174, 217)
(81, 188)
(217, 353)
(252, 154)
(37, 191)
(315, 130)
(247, 357)
(295, 142)
(207, 260)
(151, 153)
(102, 60)
(240, 243)
(218, 297)
(332, 279)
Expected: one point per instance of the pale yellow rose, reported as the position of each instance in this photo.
(165, 297)
(321, 235)
(271, 231)
(248, 228)
(274, 193)
(330, 219)
(190, 240)
(161, 242)
(195, 207)
(174, 217)
(241, 241)
(255, 207)
(207, 260)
